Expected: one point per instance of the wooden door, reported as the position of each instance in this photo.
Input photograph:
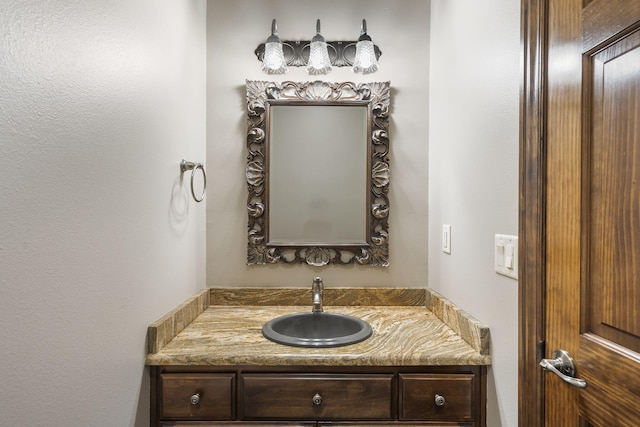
(592, 239)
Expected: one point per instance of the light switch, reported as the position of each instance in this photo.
(506, 255)
(446, 239)
(500, 255)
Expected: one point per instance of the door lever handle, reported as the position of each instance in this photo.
(562, 365)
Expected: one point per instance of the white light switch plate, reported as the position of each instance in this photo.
(446, 239)
(506, 255)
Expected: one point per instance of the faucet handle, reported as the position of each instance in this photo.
(316, 290)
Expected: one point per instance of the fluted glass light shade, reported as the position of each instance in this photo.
(365, 61)
(273, 61)
(319, 62)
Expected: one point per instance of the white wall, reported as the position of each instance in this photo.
(99, 102)
(473, 178)
(235, 28)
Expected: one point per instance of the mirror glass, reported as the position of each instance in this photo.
(317, 162)
(318, 173)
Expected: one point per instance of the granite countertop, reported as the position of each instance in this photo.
(212, 329)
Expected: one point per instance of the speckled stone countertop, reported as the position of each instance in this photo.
(403, 335)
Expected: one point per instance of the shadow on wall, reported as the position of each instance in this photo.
(179, 207)
(141, 416)
(492, 396)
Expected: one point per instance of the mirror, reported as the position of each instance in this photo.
(318, 173)
(301, 210)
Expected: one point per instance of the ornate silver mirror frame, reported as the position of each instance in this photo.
(261, 96)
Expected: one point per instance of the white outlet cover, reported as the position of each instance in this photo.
(506, 255)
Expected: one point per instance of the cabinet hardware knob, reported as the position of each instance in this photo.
(317, 400)
(195, 399)
(439, 400)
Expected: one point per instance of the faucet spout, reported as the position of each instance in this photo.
(316, 289)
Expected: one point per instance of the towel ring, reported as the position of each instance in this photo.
(193, 167)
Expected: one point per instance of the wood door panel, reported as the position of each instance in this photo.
(608, 356)
(592, 209)
(589, 294)
(602, 19)
(611, 399)
(563, 208)
(612, 273)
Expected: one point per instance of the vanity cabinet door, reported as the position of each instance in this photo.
(234, 424)
(441, 397)
(205, 396)
(317, 396)
(398, 424)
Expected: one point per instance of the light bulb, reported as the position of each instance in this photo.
(273, 61)
(319, 62)
(365, 61)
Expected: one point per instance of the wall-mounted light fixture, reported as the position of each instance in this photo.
(366, 60)
(273, 61)
(319, 62)
(362, 55)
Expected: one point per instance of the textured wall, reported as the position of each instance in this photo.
(473, 173)
(234, 30)
(99, 102)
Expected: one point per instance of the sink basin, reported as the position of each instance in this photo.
(316, 330)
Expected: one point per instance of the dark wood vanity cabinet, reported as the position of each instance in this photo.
(313, 396)
(204, 396)
(318, 396)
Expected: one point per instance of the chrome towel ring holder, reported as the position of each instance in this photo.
(193, 167)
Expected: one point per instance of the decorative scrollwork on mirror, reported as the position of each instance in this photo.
(326, 167)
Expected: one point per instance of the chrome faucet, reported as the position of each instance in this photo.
(317, 288)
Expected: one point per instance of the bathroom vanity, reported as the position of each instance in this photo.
(211, 366)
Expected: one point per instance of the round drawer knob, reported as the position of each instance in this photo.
(195, 399)
(439, 401)
(317, 400)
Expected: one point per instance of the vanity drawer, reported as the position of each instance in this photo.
(206, 396)
(418, 397)
(317, 396)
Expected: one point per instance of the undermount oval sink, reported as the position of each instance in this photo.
(316, 330)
